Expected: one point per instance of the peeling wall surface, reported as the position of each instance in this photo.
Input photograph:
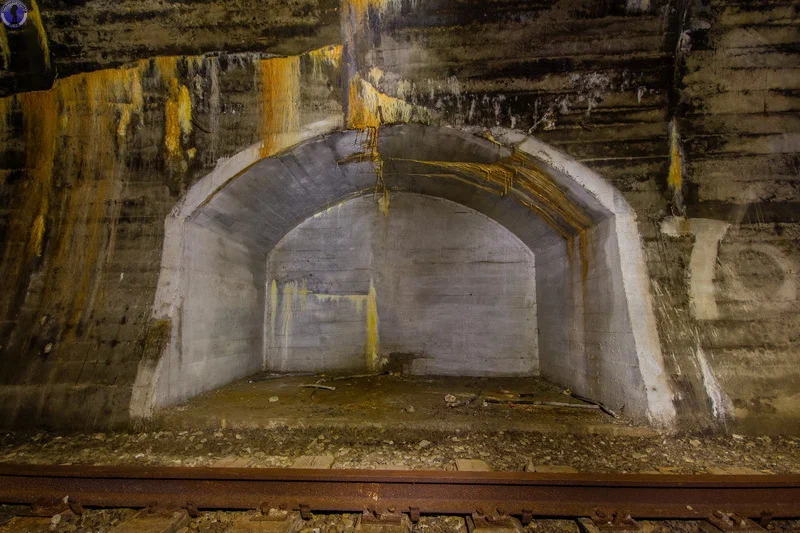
(115, 114)
(455, 292)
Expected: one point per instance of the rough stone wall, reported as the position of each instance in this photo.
(726, 275)
(449, 291)
(85, 36)
(90, 170)
(688, 108)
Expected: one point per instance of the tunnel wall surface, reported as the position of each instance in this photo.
(85, 189)
(449, 291)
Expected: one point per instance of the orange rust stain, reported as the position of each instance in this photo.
(519, 177)
(675, 178)
(76, 125)
(31, 204)
(280, 102)
(360, 8)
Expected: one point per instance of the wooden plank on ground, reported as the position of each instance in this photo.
(153, 522)
(313, 461)
(471, 465)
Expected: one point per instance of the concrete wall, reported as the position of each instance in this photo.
(342, 273)
(586, 339)
(452, 289)
(220, 328)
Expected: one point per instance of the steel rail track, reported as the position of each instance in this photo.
(425, 492)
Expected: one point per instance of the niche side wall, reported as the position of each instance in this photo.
(221, 316)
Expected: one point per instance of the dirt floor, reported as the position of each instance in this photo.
(394, 402)
(394, 422)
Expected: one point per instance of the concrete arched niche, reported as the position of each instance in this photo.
(233, 307)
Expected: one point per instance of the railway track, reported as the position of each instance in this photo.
(526, 496)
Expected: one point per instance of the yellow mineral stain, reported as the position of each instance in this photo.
(289, 292)
(519, 177)
(357, 300)
(369, 108)
(372, 344)
(375, 75)
(36, 19)
(185, 110)
(177, 117)
(675, 178)
(273, 310)
(327, 57)
(37, 233)
(383, 201)
(367, 303)
(167, 67)
(280, 102)
(5, 51)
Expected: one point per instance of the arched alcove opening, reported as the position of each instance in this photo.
(231, 308)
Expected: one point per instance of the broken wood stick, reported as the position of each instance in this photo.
(356, 376)
(317, 386)
(599, 405)
(490, 399)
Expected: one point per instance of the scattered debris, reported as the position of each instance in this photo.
(463, 402)
(273, 399)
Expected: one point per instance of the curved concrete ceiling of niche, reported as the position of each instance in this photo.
(276, 194)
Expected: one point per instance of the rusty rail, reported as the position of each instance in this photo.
(442, 492)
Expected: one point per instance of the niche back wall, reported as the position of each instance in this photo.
(417, 279)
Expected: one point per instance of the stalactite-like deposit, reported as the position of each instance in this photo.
(280, 102)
